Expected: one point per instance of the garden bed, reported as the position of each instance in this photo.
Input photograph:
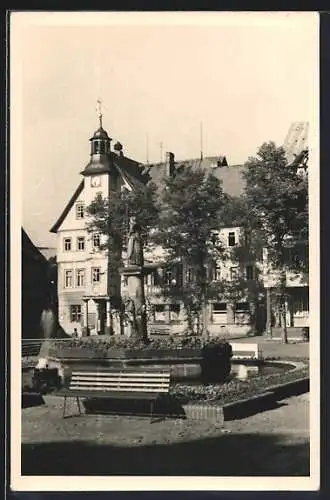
(235, 389)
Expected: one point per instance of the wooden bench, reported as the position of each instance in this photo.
(246, 351)
(116, 383)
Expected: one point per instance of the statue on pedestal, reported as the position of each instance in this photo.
(134, 247)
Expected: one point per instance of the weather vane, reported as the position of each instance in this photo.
(99, 106)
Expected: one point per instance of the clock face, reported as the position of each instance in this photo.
(95, 181)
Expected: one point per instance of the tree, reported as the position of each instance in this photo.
(191, 205)
(277, 199)
(111, 217)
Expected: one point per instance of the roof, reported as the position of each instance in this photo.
(68, 207)
(100, 133)
(231, 176)
(30, 251)
(130, 170)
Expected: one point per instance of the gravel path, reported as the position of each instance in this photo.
(274, 442)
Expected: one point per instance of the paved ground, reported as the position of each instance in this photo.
(275, 348)
(275, 442)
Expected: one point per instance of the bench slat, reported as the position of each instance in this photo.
(121, 389)
(118, 380)
(121, 374)
(108, 395)
(116, 383)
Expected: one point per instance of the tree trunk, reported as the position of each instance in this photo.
(204, 317)
(283, 308)
(269, 329)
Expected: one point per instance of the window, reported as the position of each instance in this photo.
(234, 273)
(190, 275)
(67, 244)
(75, 313)
(68, 278)
(96, 275)
(249, 272)
(219, 307)
(231, 239)
(80, 243)
(217, 273)
(160, 308)
(96, 240)
(242, 307)
(168, 278)
(175, 308)
(80, 277)
(80, 211)
(99, 147)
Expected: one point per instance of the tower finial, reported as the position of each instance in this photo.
(99, 110)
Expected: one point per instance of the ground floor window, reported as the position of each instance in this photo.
(242, 307)
(75, 313)
(174, 312)
(301, 303)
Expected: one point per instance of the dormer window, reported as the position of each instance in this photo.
(80, 212)
(231, 239)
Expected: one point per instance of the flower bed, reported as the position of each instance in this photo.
(128, 348)
(234, 389)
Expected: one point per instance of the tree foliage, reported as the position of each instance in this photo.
(110, 218)
(192, 201)
(277, 200)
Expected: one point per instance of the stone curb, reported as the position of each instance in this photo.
(242, 407)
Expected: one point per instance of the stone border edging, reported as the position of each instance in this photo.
(242, 407)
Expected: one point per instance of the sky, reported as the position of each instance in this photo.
(245, 77)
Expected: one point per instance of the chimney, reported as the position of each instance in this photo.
(118, 148)
(169, 164)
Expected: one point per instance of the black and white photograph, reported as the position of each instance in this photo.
(164, 235)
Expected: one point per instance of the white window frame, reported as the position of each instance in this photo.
(65, 241)
(80, 278)
(68, 273)
(230, 235)
(94, 237)
(80, 210)
(75, 314)
(234, 272)
(81, 239)
(96, 270)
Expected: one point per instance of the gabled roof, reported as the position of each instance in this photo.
(68, 207)
(127, 168)
(30, 251)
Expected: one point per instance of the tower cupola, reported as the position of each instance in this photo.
(100, 150)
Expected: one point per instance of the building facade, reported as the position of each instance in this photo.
(87, 293)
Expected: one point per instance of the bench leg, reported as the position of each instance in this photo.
(64, 406)
(151, 410)
(78, 402)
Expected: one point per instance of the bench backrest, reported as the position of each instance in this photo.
(246, 351)
(124, 381)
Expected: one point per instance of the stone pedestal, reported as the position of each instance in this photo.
(135, 284)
